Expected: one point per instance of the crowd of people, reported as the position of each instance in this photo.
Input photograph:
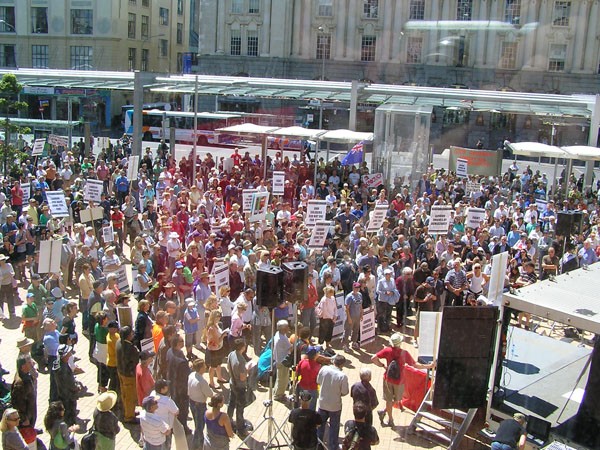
(174, 225)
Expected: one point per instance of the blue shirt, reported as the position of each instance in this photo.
(354, 303)
(122, 184)
(51, 343)
(587, 257)
(188, 327)
(387, 291)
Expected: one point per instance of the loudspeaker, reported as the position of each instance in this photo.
(577, 222)
(465, 356)
(295, 281)
(569, 222)
(269, 286)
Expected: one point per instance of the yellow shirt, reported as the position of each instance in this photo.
(111, 342)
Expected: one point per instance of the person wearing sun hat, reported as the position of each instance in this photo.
(106, 423)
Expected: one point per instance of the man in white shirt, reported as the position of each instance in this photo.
(281, 348)
(166, 409)
(334, 386)
(199, 392)
(154, 429)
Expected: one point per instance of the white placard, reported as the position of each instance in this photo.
(338, 327)
(122, 281)
(319, 234)
(367, 326)
(38, 147)
(87, 215)
(125, 316)
(26, 192)
(103, 143)
(258, 211)
(147, 345)
(462, 167)
(430, 324)
(439, 221)
(541, 205)
(373, 180)
(50, 253)
(221, 278)
(315, 212)
(497, 278)
(247, 199)
(132, 168)
(278, 183)
(59, 141)
(474, 217)
(93, 191)
(376, 218)
(108, 234)
(471, 187)
(57, 203)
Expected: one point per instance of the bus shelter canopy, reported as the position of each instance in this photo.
(537, 150)
(248, 128)
(583, 152)
(298, 132)
(345, 136)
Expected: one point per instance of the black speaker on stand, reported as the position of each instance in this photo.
(269, 287)
(295, 281)
(564, 223)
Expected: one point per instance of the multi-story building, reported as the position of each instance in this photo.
(120, 35)
(526, 45)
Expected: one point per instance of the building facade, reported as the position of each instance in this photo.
(120, 35)
(525, 45)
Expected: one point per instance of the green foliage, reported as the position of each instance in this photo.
(9, 104)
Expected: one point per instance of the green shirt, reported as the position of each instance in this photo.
(100, 333)
(30, 311)
(39, 294)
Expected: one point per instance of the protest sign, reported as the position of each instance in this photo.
(247, 199)
(462, 166)
(497, 278)
(103, 142)
(57, 203)
(221, 278)
(132, 168)
(319, 234)
(125, 316)
(26, 192)
(258, 212)
(315, 212)
(50, 253)
(87, 215)
(373, 180)
(278, 183)
(430, 324)
(376, 218)
(59, 141)
(474, 217)
(541, 205)
(367, 326)
(338, 327)
(439, 221)
(38, 147)
(108, 234)
(93, 191)
(122, 281)
(472, 187)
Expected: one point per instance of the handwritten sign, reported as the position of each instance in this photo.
(278, 183)
(93, 191)
(315, 212)
(439, 221)
(376, 218)
(57, 203)
(319, 234)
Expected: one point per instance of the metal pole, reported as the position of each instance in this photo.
(592, 140)
(70, 119)
(321, 29)
(138, 105)
(195, 129)
(316, 160)
(353, 105)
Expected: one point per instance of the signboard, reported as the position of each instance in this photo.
(87, 215)
(221, 278)
(59, 141)
(26, 192)
(471, 187)
(278, 183)
(430, 324)
(367, 326)
(122, 281)
(479, 162)
(541, 205)
(439, 221)
(103, 142)
(50, 253)
(93, 191)
(474, 217)
(38, 147)
(373, 180)
(247, 199)
(315, 212)
(57, 203)
(376, 218)
(108, 234)
(258, 211)
(497, 277)
(124, 316)
(319, 234)
(338, 327)
(462, 166)
(132, 168)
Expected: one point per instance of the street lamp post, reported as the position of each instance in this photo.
(321, 30)
(16, 39)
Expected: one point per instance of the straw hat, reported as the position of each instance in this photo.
(106, 401)
(24, 342)
(396, 340)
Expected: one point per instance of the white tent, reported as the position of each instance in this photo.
(582, 152)
(345, 136)
(248, 128)
(537, 150)
(298, 132)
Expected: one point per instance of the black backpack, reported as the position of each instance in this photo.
(351, 439)
(393, 371)
(88, 441)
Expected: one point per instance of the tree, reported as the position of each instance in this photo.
(10, 105)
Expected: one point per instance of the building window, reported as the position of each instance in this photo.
(7, 56)
(237, 6)
(39, 20)
(180, 33)
(508, 55)
(131, 26)
(145, 26)
(145, 58)
(133, 2)
(163, 48)
(81, 57)
(146, 3)
(39, 56)
(414, 50)
(253, 6)
(512, 12)
(464, 10)
(131, 54)
(417, 10)
(370, 8)
(7, 15)
(557, 57)
(163, 16)
(82, 21)
(325, 8)
(180, 7)
(235, 44)
(252, 43)
(562, 11)
(324, 46)
(367, 48)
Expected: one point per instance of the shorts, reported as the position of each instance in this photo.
(392, 392)
(190, 339)
(214, 358)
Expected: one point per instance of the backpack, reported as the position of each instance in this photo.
(393, 371)
(89, 440)
(351, 439)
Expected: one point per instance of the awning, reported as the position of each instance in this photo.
(345, 136)
(583, 152)
(298, 132)
(248, 128)
(537, 150)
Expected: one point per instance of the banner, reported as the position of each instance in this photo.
(122, 281)
(93, 191)
(247, 199)
(258, 211)
(439, 221)
(38, 147)
(471, 187)
(479, 162)
(133, 165)
(221, 278)
(367, 326)
(59, 141)
(376, 218)
(26, 192)
(497, 278)
(462, 166)
(278, 183)
(57, 203)
(373, 180)
(319, 235)
(108, 234)
(315, 212)
(50, 255)
(474, 217)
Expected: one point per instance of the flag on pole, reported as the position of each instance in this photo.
(355, 155)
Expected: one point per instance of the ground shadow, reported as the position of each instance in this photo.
(522, 368)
